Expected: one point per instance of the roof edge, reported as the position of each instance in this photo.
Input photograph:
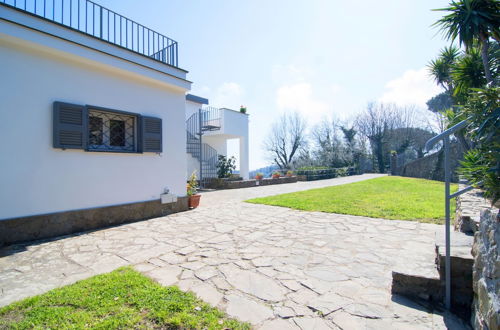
(196, 99)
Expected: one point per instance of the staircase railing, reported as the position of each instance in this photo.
(445, 137)
(210, 118)
(206, 119)
(209, 163)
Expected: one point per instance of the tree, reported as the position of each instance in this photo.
(380, 123)
(468, 72)
(441, 67)
(375, 124)
(349, 134)
(440, 103)
(328, 146)
(409, 141)
(286, 139)
(473, 21)
(457, 73)
(352, 152)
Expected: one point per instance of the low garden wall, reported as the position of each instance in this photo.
(324, 173)
(217, 183)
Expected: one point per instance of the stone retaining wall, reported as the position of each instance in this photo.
(486, 271)
(468, 210)
(431, 166)
(227, 184)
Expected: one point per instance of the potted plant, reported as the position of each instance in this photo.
(243, 109)
(259, 176)
(289, 174)
(276, 175)
(192, 189)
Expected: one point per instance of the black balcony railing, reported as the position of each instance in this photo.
(92, 19)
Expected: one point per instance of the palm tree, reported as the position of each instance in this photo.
(441, 67)
(473, 21)
(467, 73)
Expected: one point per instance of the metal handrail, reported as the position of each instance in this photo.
(432, 141)
(95, 20)
(445, 136)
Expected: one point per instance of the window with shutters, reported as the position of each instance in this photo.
(111, 131)
(94, 128)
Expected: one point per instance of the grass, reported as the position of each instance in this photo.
(121, 299)
(389, 197)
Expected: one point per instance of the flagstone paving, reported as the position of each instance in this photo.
(273, 267)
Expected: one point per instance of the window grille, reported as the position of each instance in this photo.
(111, 131)
(93, 128)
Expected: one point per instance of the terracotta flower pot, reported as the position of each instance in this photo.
(259, 177)
(276, 176)
(194, 201)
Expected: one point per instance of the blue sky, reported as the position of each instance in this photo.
(318, 57)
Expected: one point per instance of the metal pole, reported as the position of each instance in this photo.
(201, 145)
(446, 142)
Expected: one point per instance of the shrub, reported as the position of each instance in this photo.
(225, 166)
(481, 165)
(342, 171)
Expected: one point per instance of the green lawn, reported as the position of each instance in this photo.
(389, 197)
(120, 299)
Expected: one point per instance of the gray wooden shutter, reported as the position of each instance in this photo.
(151, 134)
(70, 126)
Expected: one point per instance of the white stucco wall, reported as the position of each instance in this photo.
(191, 108)
(218, 142)
(235, 125)
(35, 178)
(192, 165)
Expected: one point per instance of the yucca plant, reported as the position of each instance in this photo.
(468, 72)
(472, 22)
(481, 165)
(441, 67)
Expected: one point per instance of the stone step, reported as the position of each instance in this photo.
(460, 244)
(418, 279)
(461, 266)
(427, 281)
(420, 282)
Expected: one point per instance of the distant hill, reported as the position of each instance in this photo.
(267, 171)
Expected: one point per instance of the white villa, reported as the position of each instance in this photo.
(94, 109)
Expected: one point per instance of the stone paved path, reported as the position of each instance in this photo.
(273, 267)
